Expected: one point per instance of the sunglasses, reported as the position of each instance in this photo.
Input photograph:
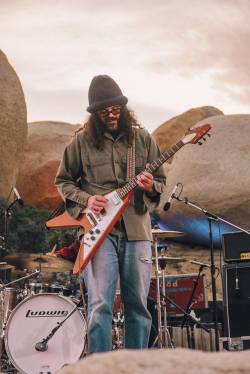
(112, 109)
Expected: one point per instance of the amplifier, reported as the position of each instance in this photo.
(236, 299)
(179, 289)
(236, 246)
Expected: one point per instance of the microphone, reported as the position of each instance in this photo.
(172, 195)
(41, 346)
(18, 197)
(237, 287)
(237, 283)
(200, 264)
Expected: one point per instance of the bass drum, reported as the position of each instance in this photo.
(32, 321)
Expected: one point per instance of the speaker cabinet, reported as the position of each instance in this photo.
(236, 246)
(236, 299)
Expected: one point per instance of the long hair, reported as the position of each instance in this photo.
(95, 128)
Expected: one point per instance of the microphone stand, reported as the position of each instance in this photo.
(6, 212)
(188, 309)
(42, 346)
(188, 316)
(211, 218)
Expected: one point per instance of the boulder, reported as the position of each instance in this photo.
(215, 177)
(161, 361)
(171, 131)
(13, 125)
(43, 152)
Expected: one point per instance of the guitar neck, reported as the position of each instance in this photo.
(151, 168)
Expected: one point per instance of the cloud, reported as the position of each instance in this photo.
(215, 42)
(164, 54)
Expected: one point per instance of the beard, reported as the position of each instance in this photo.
(111, 125)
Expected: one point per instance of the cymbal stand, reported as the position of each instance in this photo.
(6, 213)
(163, 331)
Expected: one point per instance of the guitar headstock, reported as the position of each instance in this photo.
(196, 134)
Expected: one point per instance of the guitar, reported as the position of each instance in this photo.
(97, 226)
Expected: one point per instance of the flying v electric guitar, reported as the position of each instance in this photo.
(97, 226)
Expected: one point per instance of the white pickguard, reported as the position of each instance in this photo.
(101, 222)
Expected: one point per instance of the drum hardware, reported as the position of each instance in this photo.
(163, 339)
(160, 265)
(117, 331)
(9, 299)
(211, 217)
(164, 260)
(117, 323)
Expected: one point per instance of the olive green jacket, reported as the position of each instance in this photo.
(86, 171)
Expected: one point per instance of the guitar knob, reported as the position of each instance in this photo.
(91, 232)
(97, 231)
(92, 237)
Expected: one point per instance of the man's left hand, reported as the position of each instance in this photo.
(145, 181)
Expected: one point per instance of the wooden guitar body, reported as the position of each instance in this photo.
(96, 227)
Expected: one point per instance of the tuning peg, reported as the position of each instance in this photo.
(204, 139)
(200, 143)
(208, 134)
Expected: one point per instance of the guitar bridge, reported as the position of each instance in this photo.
(92, 219)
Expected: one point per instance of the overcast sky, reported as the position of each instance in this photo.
(167, 55)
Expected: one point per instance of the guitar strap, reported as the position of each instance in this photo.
(131, 160)
(131, 163)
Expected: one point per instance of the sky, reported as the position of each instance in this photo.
(168, 56)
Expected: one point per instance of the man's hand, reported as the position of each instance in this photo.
(145, 181)
(96, 203)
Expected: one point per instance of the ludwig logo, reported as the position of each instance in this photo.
(46, 313)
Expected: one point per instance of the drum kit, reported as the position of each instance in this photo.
(36, 315)
(40, 314)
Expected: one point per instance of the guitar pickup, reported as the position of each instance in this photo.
(92, 219)
(116, 199)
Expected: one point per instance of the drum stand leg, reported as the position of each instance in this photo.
(163, 338)
(5, 364)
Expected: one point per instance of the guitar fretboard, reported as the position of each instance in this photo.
(151, 168)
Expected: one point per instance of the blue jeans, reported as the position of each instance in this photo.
(132, 261)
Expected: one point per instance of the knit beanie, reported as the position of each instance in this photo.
(104, 92)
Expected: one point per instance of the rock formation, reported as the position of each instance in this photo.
(161, 361)
(43, 152)
(215, 176)
(13, 125)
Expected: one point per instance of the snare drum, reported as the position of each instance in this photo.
(31, 321)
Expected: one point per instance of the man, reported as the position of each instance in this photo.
(94, 164)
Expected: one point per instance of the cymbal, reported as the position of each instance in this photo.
(31, 261)
(169, 260)
(157, 233)
(5, 266)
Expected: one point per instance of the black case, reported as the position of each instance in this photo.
(236, 299)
